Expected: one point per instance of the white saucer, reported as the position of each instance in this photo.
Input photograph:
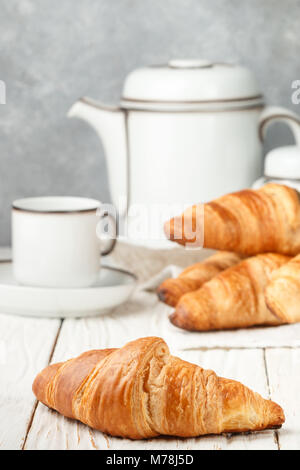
(112, 289)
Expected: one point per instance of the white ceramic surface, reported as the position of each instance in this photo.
(282, 165)
(112, 288)
(283, 162)
(206, 81)
(55, 242)
(185, 132)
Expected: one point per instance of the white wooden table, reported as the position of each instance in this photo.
(267, 360)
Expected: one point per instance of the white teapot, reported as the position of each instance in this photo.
(185, 132)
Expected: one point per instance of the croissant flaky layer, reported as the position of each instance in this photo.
(248, 222)
(195, 276)
(233, 299)
(283, 292)
(141, 391)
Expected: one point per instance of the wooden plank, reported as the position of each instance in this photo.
(144, 316)
(283, 366)
(25, 348)
(51, 431)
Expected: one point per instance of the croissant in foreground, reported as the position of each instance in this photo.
(141, 391)
(283, 292)
(248, 222)
(195, 276)
(233, 299)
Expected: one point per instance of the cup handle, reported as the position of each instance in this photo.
(110, 244)
(273, 114)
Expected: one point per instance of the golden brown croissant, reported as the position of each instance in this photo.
(195, 276)
(141, 391)
(248, 222)
(233, 299)
(283, 292)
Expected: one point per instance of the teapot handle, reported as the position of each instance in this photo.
(273, 114)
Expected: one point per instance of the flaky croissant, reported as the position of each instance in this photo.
(248, 222)
(195, 276)
(232, 299)
(283, 292)
(141, 391)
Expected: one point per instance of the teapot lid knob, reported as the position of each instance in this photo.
(283, 162)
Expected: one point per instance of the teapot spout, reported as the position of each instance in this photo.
(109, 123)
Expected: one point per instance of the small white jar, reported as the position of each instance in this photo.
(282, 165)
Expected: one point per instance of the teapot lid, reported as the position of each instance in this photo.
(283, 162)
(190, 83)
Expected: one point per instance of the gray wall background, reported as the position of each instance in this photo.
(54, 51)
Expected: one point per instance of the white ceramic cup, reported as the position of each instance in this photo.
(55, 243)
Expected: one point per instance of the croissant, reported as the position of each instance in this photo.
(194, 276)
(248, 222)
(233, 299)
(283, 292)
(141, 391)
